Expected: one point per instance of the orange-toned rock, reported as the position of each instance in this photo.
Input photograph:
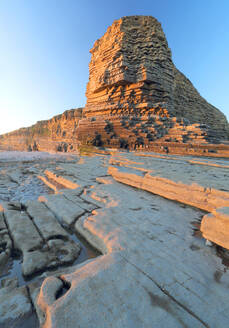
(136, 97)
(131, 72)
(56, 134)
(215, 226)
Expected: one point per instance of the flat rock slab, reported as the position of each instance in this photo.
(45, 220)
(61, 180)
(15, 308)
(5, 241)
(86, 173)
(180, 169)
(58, 252)
(195, 195)
(156, 236)
(5, 246)
(41, 239)
(73, 195)
(65, 210)
(24, 233)
(110, 292)
(154, 271)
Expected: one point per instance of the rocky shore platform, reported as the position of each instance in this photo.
(113, 239)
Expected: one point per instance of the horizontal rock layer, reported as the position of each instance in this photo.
(178, 280)
(136, 98)
(154, 133)
(215, 226)
(131, 72)
(56, 134)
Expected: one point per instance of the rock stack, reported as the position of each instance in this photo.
(136, 99)
(136, 96)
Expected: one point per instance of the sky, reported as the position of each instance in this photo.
(44, 50)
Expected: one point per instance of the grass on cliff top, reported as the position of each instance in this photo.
(86, 150)
(89, 150)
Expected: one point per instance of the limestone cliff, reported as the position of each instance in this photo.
(131, 70)
(56, 134)
(136, 98)
(132, 76)
(189, 104)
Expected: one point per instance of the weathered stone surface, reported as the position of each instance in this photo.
(154, 271)
(61, 180)
(2, 222)
(57, 253)
(5, 246)
(131, 69)
(9, 283)
(45, 221)
(38, 261)
(15, 307)
(56, 134)
(39, 237)
(72, 195)
(215, 226)
(210, 174)
(136, 96)
(148, 306)
(154, 133)
(149, 240)
(25, 235)
(65, 210)
(194, 195)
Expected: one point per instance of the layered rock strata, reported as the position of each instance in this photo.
(153, 133)
(136, 93)
(214, 226)
(178, 280)
(56, 134)
(136, 98)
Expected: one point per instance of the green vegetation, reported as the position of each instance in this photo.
(87, 150)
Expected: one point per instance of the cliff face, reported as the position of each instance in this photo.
(131, 68)
(189, 104)
(132, 75)
(136, 98)
(56, 134)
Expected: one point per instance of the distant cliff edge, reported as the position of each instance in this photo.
(56, 134)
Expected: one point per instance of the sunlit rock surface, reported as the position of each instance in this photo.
(33, 243)
(215, 226)
(155, 268)
(155, 271)
(131, 71)
(55, 134)
(119, 239)
(136, 99)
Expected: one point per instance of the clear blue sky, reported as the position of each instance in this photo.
(44, 50)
